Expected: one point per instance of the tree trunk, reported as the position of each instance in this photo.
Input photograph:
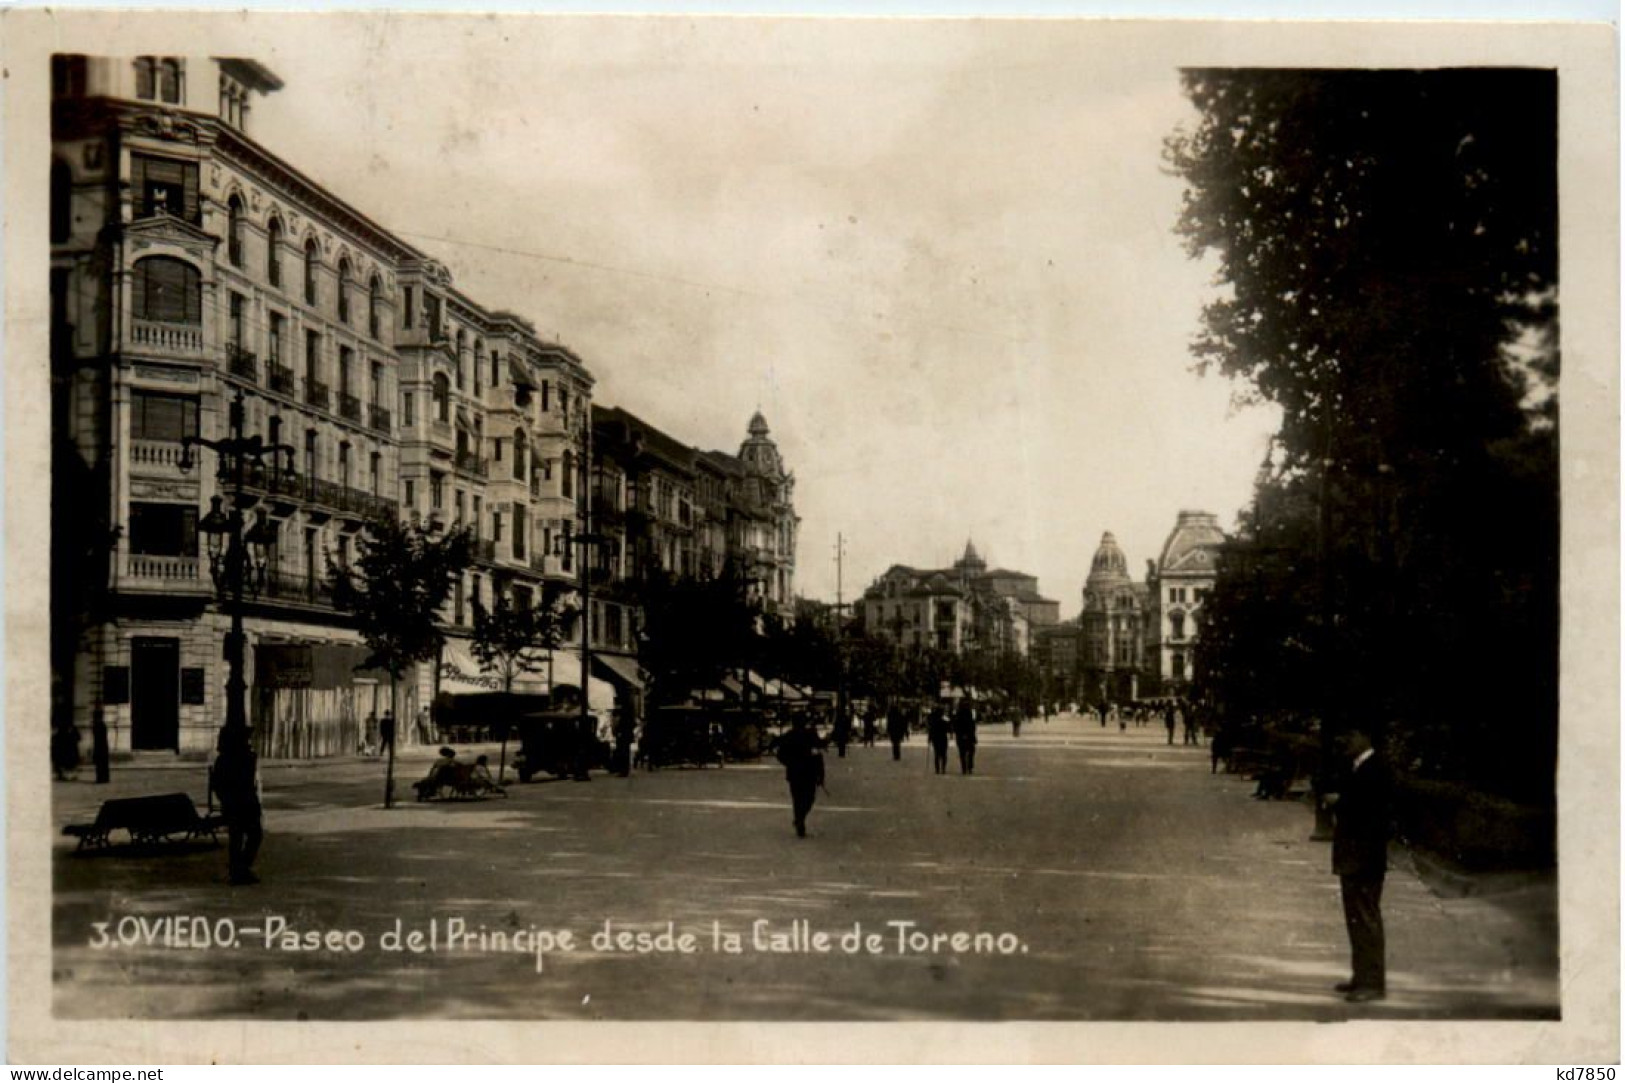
(511, 712)
(389, 762)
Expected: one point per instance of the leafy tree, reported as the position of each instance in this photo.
(1387, 252)
(694, 631)
(512, 640)
(401, 576)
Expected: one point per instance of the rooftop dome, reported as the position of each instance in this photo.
(1193, 544)
(1109, 566)
(758, 451)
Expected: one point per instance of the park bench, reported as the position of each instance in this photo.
(456, 782)
(158, 818)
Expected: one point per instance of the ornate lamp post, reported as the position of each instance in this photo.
(237, 557)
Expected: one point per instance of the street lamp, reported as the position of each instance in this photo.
(238, 558)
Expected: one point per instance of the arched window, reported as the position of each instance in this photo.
(568, 478)
(234, 230)
(145, 78)
(61, 201)
(519, 454)
(168, 290)
(273, 251)
(313, 261)
(344, 290)
(169, 81)
(375, 301)
(442, 397)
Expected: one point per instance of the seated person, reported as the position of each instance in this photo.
(481, 776)
(438, 774)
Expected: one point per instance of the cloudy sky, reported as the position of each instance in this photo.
(937, 256)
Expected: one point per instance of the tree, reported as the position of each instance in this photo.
(1387, 252)
(402, 574)
(694, 630)
(511, 640)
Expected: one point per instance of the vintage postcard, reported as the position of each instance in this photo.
(614, 531)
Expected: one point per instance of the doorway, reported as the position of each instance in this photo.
(155, 693)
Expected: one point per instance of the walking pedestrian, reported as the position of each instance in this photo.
(801, 752)
(965, 736)
(871, 728)
(1169, 719)
(235, 780)
(843, 731)
(937, 734)
(1360, 859)
(386, 732)
(896, 730)
(1192, 736)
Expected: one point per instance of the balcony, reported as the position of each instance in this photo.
(160, 455)
(349, 407)
(241, 362)
(279, 378)
(484, 550)
(471, 464)
(316, 394)
(286, 586)
(327, 494)
(378, 418)
(163, 573)
(167, 337)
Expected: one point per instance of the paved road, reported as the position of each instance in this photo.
(1130, 884)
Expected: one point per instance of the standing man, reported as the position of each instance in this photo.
(965, 736)
(1360, 860)
(937, 733)
(801, 752)
(386, 732)
(235, 779)
(1169, 719)
(896, 729)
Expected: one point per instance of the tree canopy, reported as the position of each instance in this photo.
(1386, 245)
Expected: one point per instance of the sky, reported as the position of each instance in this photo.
(938, 256)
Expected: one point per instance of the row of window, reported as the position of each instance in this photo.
(312, 265)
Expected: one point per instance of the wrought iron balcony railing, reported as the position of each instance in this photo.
(349, 407)
(378, 417)
(280, 378)
(241, 362)
(316, 394)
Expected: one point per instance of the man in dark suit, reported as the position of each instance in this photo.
(1360, 859)
(801, 752)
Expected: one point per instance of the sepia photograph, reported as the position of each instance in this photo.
(607, 520)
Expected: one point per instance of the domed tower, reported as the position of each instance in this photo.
(774, 536)
(759, 452)
(1112, 626)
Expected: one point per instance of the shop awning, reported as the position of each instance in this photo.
(460, 672)
(620, 669)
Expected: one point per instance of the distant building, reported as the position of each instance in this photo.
(962, 608)
(1140, 639)
(1113, 623)
(1179, 584)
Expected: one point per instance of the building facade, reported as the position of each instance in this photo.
(197, 277)
(962, 608)
(1140, 639)
(1179, 584)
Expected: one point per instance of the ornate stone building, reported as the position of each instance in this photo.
(1179, 584)
(1113, 623)
(197, 276)
(1140, 639)
(961, 608)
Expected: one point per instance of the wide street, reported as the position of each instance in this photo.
(1132, 884)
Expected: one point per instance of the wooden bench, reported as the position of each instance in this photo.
(158, 818)
(457, 782)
